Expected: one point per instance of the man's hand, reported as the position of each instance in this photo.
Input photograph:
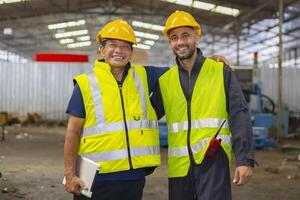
(242, 175)
(74, 185)
(219, 58)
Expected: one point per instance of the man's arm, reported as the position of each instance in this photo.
(157, 101)
(241, 128)
(72, 139)
(153, 74)
(76, 112)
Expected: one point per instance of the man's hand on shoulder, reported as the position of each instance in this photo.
(219, 58)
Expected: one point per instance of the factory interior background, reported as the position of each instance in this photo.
(45, 43)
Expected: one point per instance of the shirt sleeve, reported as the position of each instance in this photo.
(239, 120)
(76, 105)
(153, 73)
(157, 101)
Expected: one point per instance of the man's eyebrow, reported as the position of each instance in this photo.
(179, 34)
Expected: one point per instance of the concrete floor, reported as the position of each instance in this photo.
(31, 163)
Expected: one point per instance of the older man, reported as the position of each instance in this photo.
(112, 122)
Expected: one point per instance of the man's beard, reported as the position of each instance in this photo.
(189, 55)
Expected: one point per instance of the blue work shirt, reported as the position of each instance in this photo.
(76, 108)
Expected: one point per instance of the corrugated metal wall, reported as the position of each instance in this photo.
(46, 87)
(38, 87)
(291, 85)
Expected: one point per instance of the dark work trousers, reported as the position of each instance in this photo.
(116, 190)
(208, 181)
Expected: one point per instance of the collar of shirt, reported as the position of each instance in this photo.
(196, 66)
(127, 67)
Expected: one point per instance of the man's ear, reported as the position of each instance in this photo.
(101, 49)
(98, 54)
(131, 54)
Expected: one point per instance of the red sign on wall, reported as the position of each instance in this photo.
(58, 57)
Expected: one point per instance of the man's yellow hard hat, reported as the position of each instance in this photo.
(118, 29)
(178, 19)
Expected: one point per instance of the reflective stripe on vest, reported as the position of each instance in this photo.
(116, 126)
(196, 124)
(142, 93)
(183, 151)
(119, 126)
(97, 97)
(122, 154)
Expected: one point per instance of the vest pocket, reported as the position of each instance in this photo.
(144, 137)
(103, 142)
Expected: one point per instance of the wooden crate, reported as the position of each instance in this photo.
(3, 122)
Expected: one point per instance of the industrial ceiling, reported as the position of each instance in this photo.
(25, 26)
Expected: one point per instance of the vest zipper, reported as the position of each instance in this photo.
(189, 119)
(126, 128)
(192, 161)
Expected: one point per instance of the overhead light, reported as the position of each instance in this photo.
(149, 42)
(84, 38)
(203, 5)
(184, 2)
(71, 33)
(147, 25)
(142, 46)
(207, 6)
(7, 31)
(170, 1)
(10, 1)
(146, 35)
(226, 11)
(66, 24)
(79, 44)
(66, 41)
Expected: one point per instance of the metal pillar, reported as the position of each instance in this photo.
(280, 56)
(238, 47)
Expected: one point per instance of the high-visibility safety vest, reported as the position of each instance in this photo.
(120, 130)
(195, 121)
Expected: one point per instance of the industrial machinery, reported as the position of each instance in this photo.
(263, 118)
(262, 108)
